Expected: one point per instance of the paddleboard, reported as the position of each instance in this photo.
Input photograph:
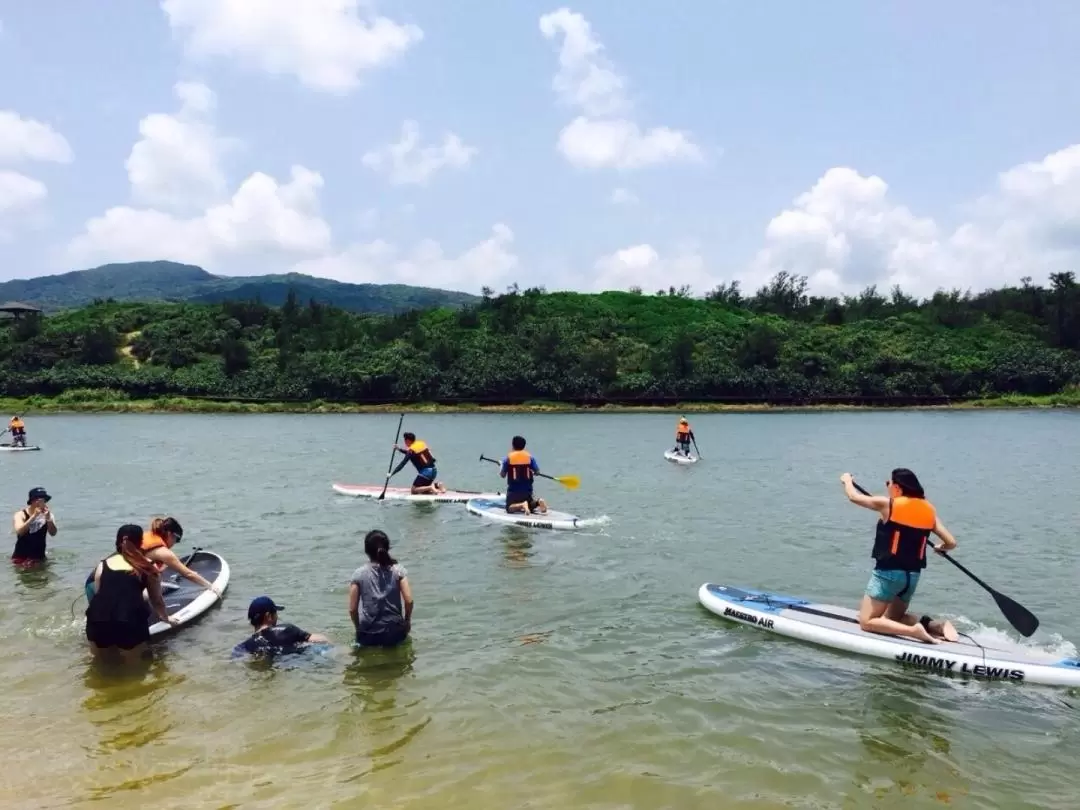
(838, 628)
(405, 493)
(11, 448)
(679, 458)
(186, 600)
(496, 510)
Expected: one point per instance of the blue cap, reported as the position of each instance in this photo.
(261, 605)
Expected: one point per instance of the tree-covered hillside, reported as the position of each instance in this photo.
(169, 281)
(779, 344)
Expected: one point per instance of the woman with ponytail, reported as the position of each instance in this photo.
(157, 544)
(118, 617)
(380, 598)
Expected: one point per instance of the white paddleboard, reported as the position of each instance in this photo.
(496, 510)
(405, 493)
(838, 627)
(679, 458)
(185, 600)
(11, 448)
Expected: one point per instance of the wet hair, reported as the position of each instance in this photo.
(160, 526)
(907, 482)
(377, 547)
(518, 442)
(409, 437)
(128, 540)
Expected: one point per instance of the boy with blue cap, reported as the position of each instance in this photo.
(271, 637)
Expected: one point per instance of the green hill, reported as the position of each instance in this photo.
(170, 281)
(779, 345)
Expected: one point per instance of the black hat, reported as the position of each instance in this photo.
(38, 492)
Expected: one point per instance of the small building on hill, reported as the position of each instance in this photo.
(13, 310)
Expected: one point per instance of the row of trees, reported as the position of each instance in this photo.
(780, 344)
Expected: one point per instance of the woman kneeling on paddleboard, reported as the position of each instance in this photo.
(906, 521)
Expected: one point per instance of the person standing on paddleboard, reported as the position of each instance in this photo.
(519, 468)
(906, 522)
(420, 455)
(18, 431)
(683, 435)
(33, 525)
(380, 597)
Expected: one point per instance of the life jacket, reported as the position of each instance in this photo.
(420, 455)
(682, 433)
(519, 467)
(16, 424)
(149, 542)
(900, 542)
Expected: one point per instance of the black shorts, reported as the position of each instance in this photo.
(124, 635)
(423, 480)
(521, 497)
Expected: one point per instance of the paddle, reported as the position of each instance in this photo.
(382, 495)
(1025, 622)
(694, 440)
(568, 481)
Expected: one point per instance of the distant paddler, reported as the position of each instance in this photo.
(683, 436)
(17, 428)
(417, 452)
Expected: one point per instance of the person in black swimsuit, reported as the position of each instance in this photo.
(32, 527)
(269, 636)
(118, 617)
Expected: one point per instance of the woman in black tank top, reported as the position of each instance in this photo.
(118, 617)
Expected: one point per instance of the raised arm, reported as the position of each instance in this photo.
(875, 503)
(21, 523)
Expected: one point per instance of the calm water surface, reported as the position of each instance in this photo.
(570, 670)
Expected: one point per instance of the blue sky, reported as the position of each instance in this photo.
(584, 146)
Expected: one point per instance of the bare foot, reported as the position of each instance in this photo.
(946, 629)
(921, 634)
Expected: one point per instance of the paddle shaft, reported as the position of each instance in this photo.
(542, 475)
(389, 469)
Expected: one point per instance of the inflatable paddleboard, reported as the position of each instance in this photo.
(405, 493)
(496, 510)
(838, 628)
(11, 448)
(184, 599)
(679, 458)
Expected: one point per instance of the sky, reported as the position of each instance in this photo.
(599, 145)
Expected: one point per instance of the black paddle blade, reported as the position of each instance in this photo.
(1025, 622)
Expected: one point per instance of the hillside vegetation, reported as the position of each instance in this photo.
(169, 281)
(779, 344)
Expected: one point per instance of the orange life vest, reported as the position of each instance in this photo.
(420, 455)
(900, 542)
(519, 466)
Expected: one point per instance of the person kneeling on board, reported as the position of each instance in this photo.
(420, 455)
(380, 597)
(904, 527)
(118, 616)
(519, 468)
(269, 636)
(683, 435)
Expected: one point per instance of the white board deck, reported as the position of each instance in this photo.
(838, 628)
(679, 458)
(495, 510)
(11, 448)
(405, 493)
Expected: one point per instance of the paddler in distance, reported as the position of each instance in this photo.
(420, 455)
(519, 468)
(683, 435)
(18, 431)
(906, 521)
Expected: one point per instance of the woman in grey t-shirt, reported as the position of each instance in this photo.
(380, 599)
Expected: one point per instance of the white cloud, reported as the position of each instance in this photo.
(326, 44)
(407, 162)
(604, 136)
(490, 262)
(21, 198)
(846, 233)
(262, 215)
(26, 139)
(177, 162)
(642, 266)
(623, 196)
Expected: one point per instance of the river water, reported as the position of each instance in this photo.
(568, 670)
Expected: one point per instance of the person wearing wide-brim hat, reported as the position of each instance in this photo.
(33, 524)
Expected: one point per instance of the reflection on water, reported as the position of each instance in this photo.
(35, 576)
(517, 546)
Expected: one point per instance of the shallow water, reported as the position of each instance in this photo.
(568, 670)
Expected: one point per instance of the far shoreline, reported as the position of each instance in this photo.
(85, 402)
